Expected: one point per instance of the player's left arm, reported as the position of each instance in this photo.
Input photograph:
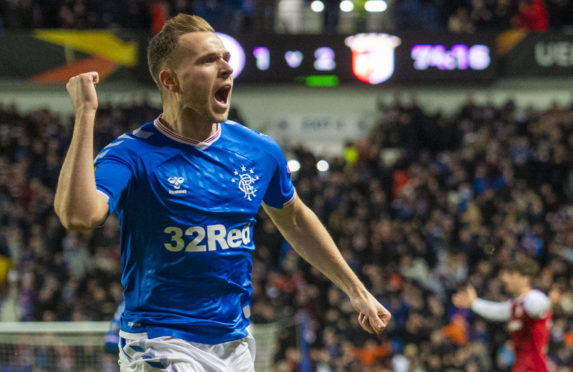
(536, 304)
(309, 238)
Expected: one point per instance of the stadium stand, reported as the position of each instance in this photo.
(257, 15)
(426, 203)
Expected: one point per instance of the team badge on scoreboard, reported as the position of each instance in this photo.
(372, 56)
(245, 180)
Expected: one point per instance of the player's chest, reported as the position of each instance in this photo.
(219, 179)
(519, 320)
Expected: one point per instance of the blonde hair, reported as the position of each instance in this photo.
(161, 47)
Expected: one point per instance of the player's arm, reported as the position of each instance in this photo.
(77, 202)
(309, 238)
(468, 299)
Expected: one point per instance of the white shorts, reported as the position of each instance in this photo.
(137, 353)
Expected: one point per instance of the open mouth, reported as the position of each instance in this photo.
(222, 94)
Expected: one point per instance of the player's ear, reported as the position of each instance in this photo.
(169, 81)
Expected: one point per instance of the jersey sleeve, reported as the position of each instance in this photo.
(497, 311)
(112, 175)
(536, 303)
(280, 191)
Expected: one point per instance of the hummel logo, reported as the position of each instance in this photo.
(176, 182)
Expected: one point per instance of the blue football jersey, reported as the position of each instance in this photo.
(187, 211)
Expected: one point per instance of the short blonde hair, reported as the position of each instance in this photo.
(161, 47)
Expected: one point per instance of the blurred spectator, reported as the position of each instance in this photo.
(532, 15)
(371, 352)
(460, 22)
(480, 14)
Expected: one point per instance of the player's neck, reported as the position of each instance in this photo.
(187, 125)
(522, 291)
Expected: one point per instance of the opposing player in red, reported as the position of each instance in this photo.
(528, 314)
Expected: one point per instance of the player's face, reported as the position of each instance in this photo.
(514, 282)
(204, 76)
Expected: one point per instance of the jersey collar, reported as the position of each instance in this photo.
(168, 132)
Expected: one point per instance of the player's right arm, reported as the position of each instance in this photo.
(77, 202)
(468, 299)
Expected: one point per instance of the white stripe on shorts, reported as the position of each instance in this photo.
(137, 353)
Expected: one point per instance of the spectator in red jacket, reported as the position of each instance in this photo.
(532, 16)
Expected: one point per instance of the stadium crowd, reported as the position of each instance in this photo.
(467, 16)
(424, 205)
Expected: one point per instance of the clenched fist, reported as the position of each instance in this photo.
(81, 89)
(373, 317)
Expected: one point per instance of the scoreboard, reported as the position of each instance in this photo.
(368, 58)
(365, 59)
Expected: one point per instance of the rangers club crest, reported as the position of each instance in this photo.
(245, 180)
